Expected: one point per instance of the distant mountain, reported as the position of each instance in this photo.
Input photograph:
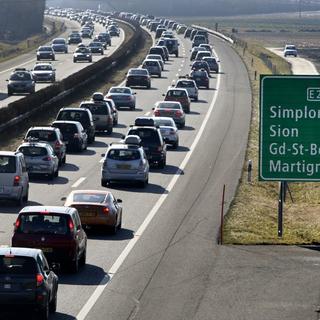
(192, 7)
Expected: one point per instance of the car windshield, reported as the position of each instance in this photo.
(185, 84)
(169, 106)
(123, 154)
(89, 197)
(74, 115)
(33, 151)
(7, 164)
(43, 67)
(20, 76)
(120, 90)
(17, 265)
(82, 50)
(43, 223)
(45, 49)
(95, 44)
(138, 72)
(199, 73)
(151, 63)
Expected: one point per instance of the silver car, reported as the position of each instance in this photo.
(169, 130)
(153, 66)
(44, 72)
(125, 161)
(172, 109)
(156, 57)
(190, 86)
(59, 45)
(40, 159)
(14, 179)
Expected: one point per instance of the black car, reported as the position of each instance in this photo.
(159, 50)
(26, 281)
(21, 81)
(96, 47)
(152, 142)
(45, 53)
(74, 38)
(138, 77)
(200, 64)
(83, 116)
(73, 134)
(200, 77)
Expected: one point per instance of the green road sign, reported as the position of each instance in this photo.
(289, 128)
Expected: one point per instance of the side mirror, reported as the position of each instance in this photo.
(119, 200)
(134, 93)
(163, 95)
(63, 199)
(7, 80)
(103, 154)
(153, 108)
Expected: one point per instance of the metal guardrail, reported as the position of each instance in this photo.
(217, 34)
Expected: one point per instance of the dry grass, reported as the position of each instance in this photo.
(9, 51)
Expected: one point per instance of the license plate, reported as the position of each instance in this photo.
(123, 166)
(1, 189)
(47, 249)
(198, 79)
(7, 286)
(87, 214)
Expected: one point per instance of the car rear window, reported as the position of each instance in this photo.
(43, 223)
(138, 72)
(80, 116)
(7, 164)
(176, 93)
(185, 84)
(97, 109)
(168, 106)
(66, 128)
(123, 154)
(89, 197)
(17, 265)
(44, 135)
(146, 135)
(33, 151)
(120, 90)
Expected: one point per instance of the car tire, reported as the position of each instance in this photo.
(20, 201)
(120, 223)
(53, 304)
(9, 93)
(83, 258)
(43, 313)
(90, 60)
(159, 75)
(74, 60)
(196, 98)
(162, 163)
(148, 86)
(113, 229)
(175, 145)
(52, 175)
(26, 197)
(74, 265)
(56, 174)
(64, 159)
(207, 87)
(104, 183)
(109, 131)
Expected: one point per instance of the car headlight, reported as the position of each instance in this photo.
(88, 55)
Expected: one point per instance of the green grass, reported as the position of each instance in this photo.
(252, 217)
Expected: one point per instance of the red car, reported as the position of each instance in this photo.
(57, 231)
(180, 95)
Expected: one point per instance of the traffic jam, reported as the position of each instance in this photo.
(50, 239)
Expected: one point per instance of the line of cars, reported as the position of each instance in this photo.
(57, 233)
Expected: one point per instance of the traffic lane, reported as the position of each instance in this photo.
(64, 66)
(166, 274)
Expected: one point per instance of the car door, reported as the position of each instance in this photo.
(81, 236)
(46, 272)
(24, 173)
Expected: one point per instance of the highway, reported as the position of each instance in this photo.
(165, 263)
(63, 64)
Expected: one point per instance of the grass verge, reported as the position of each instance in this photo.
(252, 216)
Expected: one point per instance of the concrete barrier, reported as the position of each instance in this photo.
(217, 34)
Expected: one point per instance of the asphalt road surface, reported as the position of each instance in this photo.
(63, 64)
(165, 263)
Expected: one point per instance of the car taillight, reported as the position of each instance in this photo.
(156, 113)
(39, 278)
(17, 224)
(57, 144)
(159, 148)
(46, 159)
(16, 181)
(172, 131)
(129, 98)
(76, 135)
(178, 113)
(141, 166)
(71, 225)
(105, 210)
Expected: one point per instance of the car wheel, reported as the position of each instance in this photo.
(53, 304)
(74, 265)
(207, 87)
(83, 258)
(162, 163)
(175, 145)
(43, 313)
(196, 98)
(64, 159)
(104, 183)
(113, 229)
(159, 75)
(149, 86)
(9, 93)
(56, 174)
(52, 175)
(74, 60)
(109, 131)
(90, 60)
(20, 201)
(26, 197)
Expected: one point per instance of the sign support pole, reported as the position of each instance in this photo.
(282, 191)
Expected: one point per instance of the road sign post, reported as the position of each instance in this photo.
(289, 147)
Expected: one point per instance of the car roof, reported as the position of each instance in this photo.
(26, 252)
(43, 128)
(49, 209)
(106, 192)
(178, 89)
(67, 121)
(8, 153)
(34, 144)
(122, 145)
(73, 109)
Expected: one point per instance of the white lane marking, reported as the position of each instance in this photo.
(117, 264)
(177, 75)
(146, 114)
(179, 70)
(101, 160)
(20, 65)
(78, 182)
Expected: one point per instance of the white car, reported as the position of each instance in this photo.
(190, 86)
(290, 50)
(14, 179)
